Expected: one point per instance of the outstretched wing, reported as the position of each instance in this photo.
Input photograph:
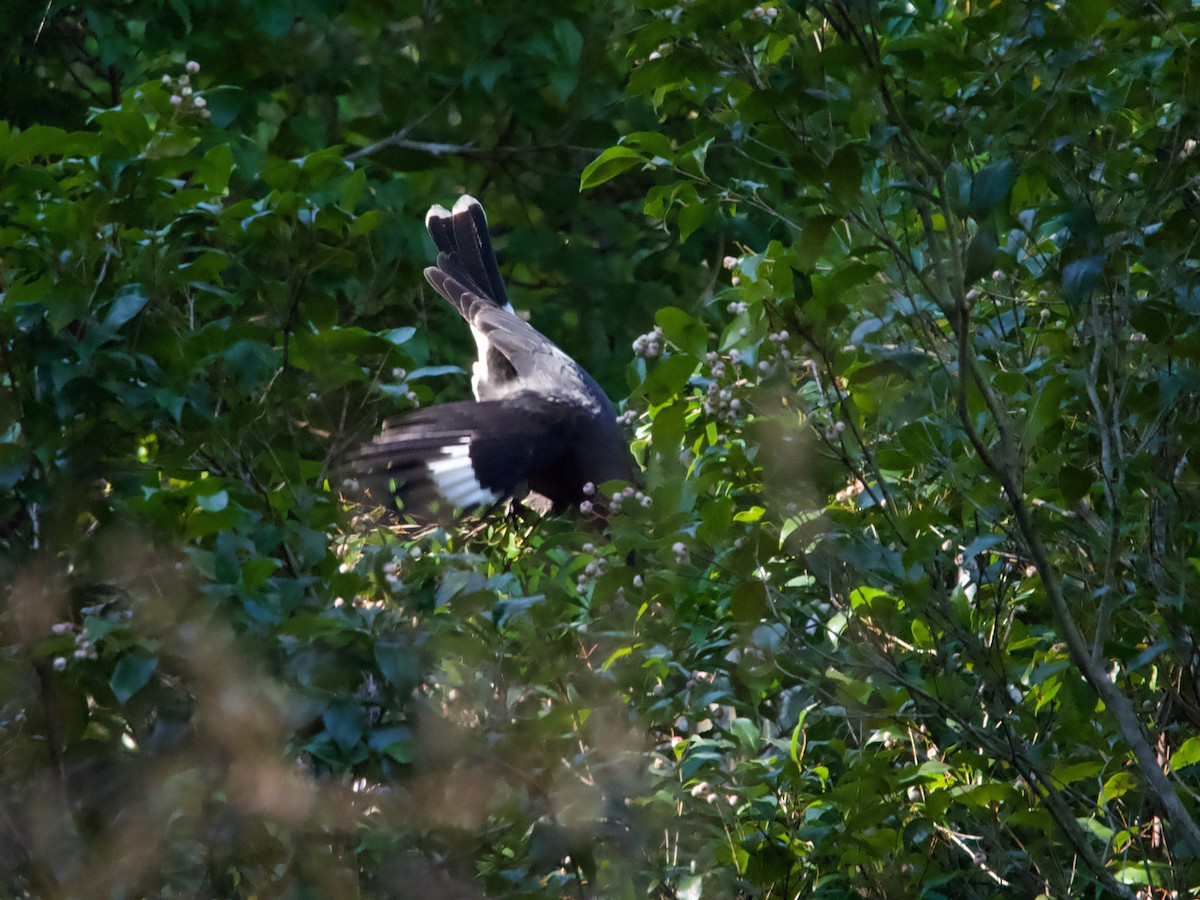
(463, 455)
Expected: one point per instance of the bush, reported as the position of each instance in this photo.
(901, 607)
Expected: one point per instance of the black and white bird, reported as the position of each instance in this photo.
(540, 425)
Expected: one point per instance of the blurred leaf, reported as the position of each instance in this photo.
(980, 257)
(569, 40)
(399, 665)
(345, 722)
(845, 174)
(691, 217)
(989, 186)
(1079, 279)
(130, 301)
(131, 673)
(812, 241)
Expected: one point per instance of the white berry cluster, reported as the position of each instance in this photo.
(719, 399)
(768, 14)
(777, 344)
(391, 575)
(616, 501)
(183, 95)
(400, 374)
(594, 569)
(85, 646)
(649, 345)
(587, 506)
(716, 365)
(780, 339)
(730, 263)
(631, 494)
(720, 402)
(835, 431)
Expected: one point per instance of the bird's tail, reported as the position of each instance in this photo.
(465, 257)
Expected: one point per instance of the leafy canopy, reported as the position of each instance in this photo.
(902, 607)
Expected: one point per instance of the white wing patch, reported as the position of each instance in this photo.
(454, 477)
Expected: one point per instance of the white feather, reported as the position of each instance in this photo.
(437, 211)
(465, 202)
(454, 477)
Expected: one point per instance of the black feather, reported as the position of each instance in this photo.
(540, 423)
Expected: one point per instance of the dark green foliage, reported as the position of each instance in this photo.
(904, 605)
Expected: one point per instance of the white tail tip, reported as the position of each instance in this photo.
(465, 202)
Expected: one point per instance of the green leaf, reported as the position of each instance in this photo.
(922, 636)
(43, 141)
(746, 732)
(217, 168)
(214, 502)
(400, 336)
(396, 742)
(812, 241)
(1047, 407)
(1079, 279)
(990, 186)
(691, 216)
(844, 174)
(1118, 785)
(982, 544)
(667, 379)
(131, 673)
(367, 222)
(14, 464)
(345, 721)
(1188, 754)
(668, 426)
(980, 257)
(683, 331)
(399, 663)
(1073, 772)
(652, 143)
(434, 372)
(569, 40)
(748, 602)
(608, 165)
(690, 887)
(691, 157)
(958, 188)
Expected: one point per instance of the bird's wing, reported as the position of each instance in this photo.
(541, 420)
(465, 455)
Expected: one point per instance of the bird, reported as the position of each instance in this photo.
(539, 429)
